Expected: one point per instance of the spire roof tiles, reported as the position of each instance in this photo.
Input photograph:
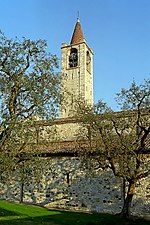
(77, 36)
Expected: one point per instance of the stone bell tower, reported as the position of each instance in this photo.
(77, 72)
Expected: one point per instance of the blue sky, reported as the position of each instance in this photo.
(118, 31)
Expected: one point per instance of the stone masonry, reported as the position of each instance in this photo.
(63, 182)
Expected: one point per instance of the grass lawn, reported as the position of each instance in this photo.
(19, 214)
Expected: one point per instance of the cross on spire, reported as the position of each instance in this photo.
(78, 18)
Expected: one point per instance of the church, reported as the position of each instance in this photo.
(58, 178)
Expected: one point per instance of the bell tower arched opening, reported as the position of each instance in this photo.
(73, 58)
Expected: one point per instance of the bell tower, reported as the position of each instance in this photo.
(77, 72)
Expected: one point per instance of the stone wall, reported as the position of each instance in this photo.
(63, 182)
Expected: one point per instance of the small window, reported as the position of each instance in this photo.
(73, 58)
(68, 178)
(88, 61)
(72, 99)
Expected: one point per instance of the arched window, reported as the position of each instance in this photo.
(88, 61)
(73, 58)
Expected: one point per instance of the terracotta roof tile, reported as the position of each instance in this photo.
(77, 36)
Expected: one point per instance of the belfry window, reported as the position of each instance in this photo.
(88, 61)
(73, 58)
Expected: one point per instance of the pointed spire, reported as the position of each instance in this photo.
(77, 36)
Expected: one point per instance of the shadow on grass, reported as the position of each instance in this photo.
(8, 217)
(7, 213)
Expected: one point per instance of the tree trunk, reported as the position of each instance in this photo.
(128, 200)
(21, 191)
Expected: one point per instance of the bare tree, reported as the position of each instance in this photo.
(120, 140)
(29, 88)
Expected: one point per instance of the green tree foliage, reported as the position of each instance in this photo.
(29, 88)
(120, 140)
